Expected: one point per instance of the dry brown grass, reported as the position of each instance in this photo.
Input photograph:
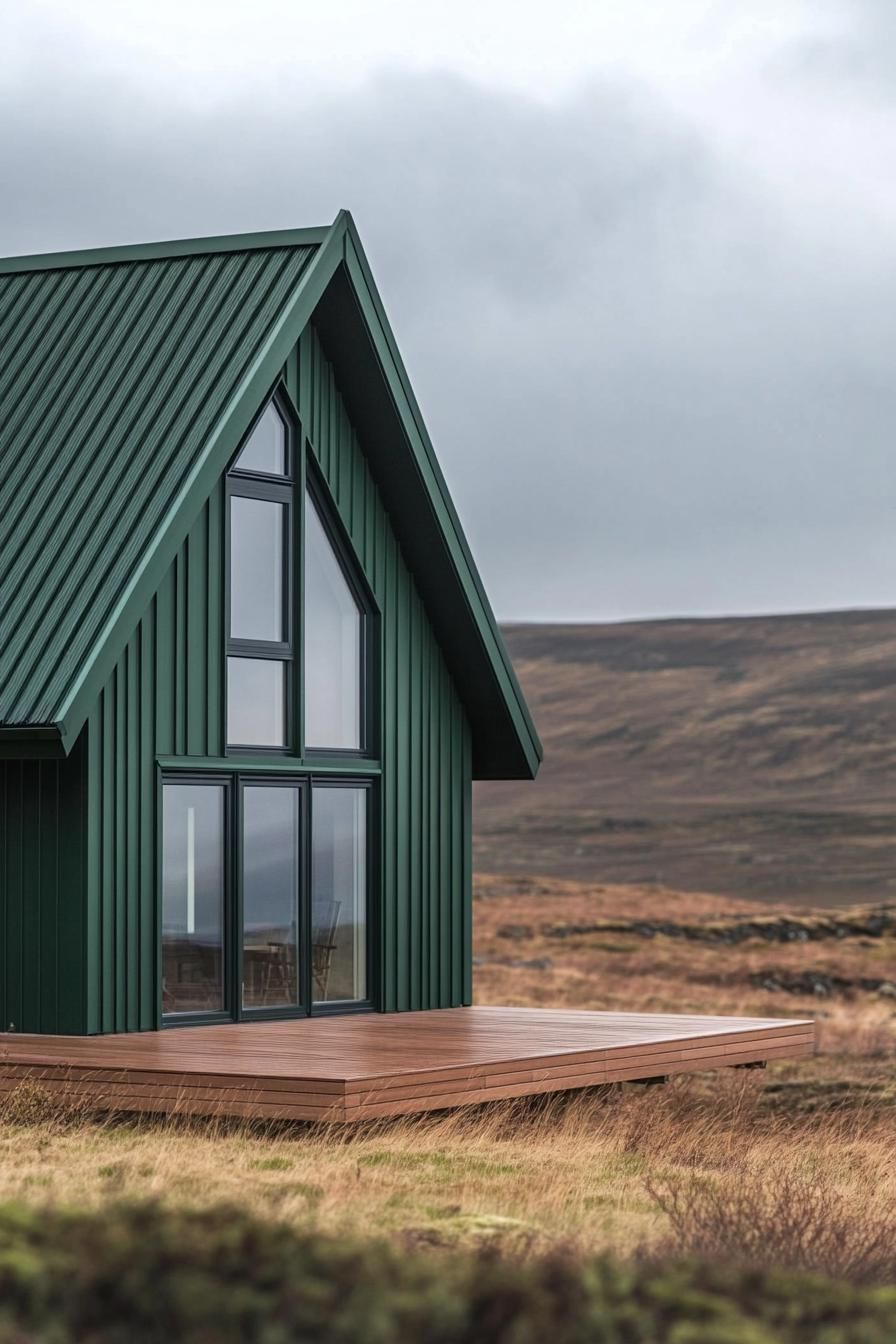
(575, 1170)
(621, 971)
(568, 1171)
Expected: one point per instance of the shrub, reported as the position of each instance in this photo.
(125, 1275)
(786, 1220)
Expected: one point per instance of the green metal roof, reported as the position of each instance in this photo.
(128, 377)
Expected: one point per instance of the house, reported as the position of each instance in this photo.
(248, 674)
(248, 670)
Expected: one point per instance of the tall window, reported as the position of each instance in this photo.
(193, 821)
(334, 628)
(260, 650)
(271, 877)
(339, 893)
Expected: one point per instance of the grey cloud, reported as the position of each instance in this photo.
(861, 58)
(648, 395)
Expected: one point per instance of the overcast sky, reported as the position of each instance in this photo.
(640, 257)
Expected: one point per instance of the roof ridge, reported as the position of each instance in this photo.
(163, 250)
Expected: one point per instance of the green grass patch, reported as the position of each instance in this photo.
(271, 1164)
(448, 1165)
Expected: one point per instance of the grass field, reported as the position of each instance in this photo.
(586, 1171)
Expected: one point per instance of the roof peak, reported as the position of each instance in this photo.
(160, 251)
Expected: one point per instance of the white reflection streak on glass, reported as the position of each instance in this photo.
(191, 870)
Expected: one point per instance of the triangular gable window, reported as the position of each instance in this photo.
(265, 451)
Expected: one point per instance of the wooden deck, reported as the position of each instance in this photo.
(362, 1067)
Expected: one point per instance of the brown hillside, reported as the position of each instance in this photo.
(754, 757)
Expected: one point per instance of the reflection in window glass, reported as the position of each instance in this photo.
(193, 898)
(257, 529)
(270, 896)
(266, 448)
(256, 702)
(339, 894)
(332, 644)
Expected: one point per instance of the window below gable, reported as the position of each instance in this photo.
(290, 569)
(260, 653)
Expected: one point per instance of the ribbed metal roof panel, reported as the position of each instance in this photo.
(111, 379)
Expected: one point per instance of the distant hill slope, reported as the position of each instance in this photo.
(751, 756)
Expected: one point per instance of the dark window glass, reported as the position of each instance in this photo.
(256, 702)
(266, 448)
(270, 896)
(193, 898)
(339, 894)
(332, 644)
(257, 531)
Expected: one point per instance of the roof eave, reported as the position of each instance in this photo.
(31, 742)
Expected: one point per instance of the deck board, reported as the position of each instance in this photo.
(372, 1065)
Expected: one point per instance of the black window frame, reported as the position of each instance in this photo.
(301, 785)
(304, 782)
(344, 1007)
(216, 778)
(278, 489)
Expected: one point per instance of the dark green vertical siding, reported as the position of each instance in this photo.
(425, 935)
(42, 894)
(162, 699)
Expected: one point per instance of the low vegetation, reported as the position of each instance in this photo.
(584, 1172)
(222, 1276)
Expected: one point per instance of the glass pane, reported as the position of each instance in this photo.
(257, 529)
(266, 448)
(270, 896)
(332, 645)
(339, 894)
(256, 702)
(192, 898)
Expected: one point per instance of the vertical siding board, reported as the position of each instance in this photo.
(147, 829)
(120, 906)
(402, 790)
(434, 878)
(413, 756)
(15, 875)
(388, 787)
(106, 805)
(31, 888)
(163, 613)
(445, 838)
(73, 966)
(196, 646)
(456, 854)
(132, 894)
(181, 655)
(48, 913)
(466, 907)
(425, 897)
(215, 612)
(94, 868)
